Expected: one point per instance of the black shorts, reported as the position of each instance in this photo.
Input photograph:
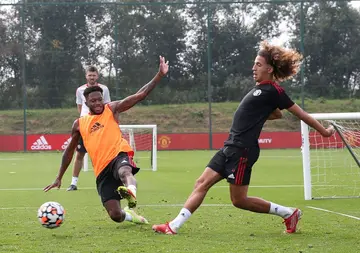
(80, 147)
(235, 164)
(108, 180)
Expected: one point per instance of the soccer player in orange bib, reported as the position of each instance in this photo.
(110, 154)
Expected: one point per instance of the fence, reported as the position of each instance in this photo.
(211, 45)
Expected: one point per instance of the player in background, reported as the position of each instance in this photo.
(92, 75)
(110, 154)
(241, 150)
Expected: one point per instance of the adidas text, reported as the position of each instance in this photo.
(66, 143)
(40, 144)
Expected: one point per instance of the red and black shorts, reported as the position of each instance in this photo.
(235, 164)
(108, 180)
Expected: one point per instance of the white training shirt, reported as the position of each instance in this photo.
(80, 98)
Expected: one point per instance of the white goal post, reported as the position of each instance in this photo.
(331, 165)
(143, 140)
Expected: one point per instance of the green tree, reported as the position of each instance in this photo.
(332, 48)
(56, 57)
(10, 60)
(140, 34)
(233, 48)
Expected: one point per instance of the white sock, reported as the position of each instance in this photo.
(282, 211)
(132, 188)
(183, 216)
(74, 180)
(128, 216)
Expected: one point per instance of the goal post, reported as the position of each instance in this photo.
(143, 140)
(330, 164)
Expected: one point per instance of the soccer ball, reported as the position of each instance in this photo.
(51, 214)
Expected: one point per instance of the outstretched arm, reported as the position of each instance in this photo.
(308, 119)
(67, 156)
(130, 101)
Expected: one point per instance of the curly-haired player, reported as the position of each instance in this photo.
(241, 150)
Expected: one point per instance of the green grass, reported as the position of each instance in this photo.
(217, 228)
(169, 118)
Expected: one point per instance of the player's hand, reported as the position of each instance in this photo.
(57, 183)
(329, 131)
(164, 66)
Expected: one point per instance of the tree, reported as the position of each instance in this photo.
(141, 34)
(56, 57)
(10, 60)
(233, 48)
(332, 49)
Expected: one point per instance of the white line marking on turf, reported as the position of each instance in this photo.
(12, 208)
(148, 205)
(263, 186)
(40, 189)
(180, 205)
(329, 211)
(280, 156)
(11, 159)
(219, 186)
(278, 186)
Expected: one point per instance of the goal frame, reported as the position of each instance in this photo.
(305, 147)
(153, 145)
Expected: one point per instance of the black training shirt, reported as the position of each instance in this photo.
(252, 112)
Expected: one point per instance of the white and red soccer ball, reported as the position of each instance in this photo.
(51, 214)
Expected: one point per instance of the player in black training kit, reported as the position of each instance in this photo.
(241, 150)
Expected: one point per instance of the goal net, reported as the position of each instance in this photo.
(331, 165)
(142, 138)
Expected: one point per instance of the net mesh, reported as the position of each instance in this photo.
(141, 140)
(334, 172)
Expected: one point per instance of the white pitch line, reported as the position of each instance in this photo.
(12, 208)
(148, 205)
(11, 159)
(93, 188)
(40, 189)
(180, 205)
(265, 186)
(262, 186)
(217, 186)
(329, 211)
(281, 156)
(279, 186)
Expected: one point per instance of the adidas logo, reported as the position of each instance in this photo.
(66, 143)
(40, 143)
(231, 176)
(96, 127)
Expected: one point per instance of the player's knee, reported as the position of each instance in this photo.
(198, 183)
(80, 156)
(240, 202)
(201, 185)
(124, 172)
(116, 215)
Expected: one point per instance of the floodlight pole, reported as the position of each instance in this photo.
(209, 73)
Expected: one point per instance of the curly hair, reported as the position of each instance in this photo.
(286, 62)
(92, 89)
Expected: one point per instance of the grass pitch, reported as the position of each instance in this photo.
(215, 227)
